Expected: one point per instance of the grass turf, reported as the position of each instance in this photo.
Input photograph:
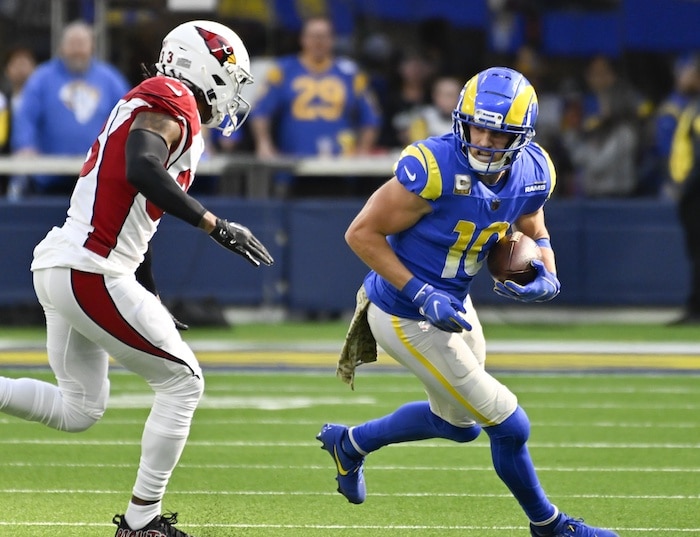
(335, 330)
(619, 450)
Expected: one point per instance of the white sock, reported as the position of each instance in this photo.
(550, 520)
(138, 516)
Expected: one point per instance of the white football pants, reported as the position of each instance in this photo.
(90, 317)
(449, 364)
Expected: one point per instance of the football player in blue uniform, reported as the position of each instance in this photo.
(425, 233)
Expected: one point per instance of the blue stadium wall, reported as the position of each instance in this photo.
(610, 253)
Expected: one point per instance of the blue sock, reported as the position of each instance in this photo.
(514, 466)
(412, 421)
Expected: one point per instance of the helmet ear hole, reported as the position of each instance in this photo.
(218, 80)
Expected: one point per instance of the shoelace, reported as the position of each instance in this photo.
(572, 523)
(170, 519)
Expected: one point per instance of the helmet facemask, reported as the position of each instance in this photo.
(501, 159)
(227, 112)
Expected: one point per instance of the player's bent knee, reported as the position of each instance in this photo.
(82, 411)
(184, 385)
(77, 420)
(183, 394)
(516, 428)
(444, 429)
(192, 388)
(463, 434)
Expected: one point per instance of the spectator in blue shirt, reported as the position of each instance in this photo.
(65, 103)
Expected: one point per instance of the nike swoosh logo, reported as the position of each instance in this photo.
(436, 303)
(341, 470)
(411, 176)
(174, 90)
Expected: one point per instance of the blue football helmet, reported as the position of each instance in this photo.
(500, 99)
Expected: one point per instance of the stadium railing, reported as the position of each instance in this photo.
(257, 173)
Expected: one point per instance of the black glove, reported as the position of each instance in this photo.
(240, 240)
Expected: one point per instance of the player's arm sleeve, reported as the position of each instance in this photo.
(146, 153)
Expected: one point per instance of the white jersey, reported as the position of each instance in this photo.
(109, 223)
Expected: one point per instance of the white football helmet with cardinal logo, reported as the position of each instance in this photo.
(212, 58)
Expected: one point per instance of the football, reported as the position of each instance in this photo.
(510, 257)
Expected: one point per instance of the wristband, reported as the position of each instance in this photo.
(413, 287)
(544, 243)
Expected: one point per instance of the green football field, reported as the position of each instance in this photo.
(335, 330)
(619, 450)
(615, 436)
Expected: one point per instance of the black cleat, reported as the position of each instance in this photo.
(161, 526)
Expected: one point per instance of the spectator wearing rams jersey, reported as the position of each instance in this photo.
(140, 165)
(314, 103)
(424, 234)
(65, 103)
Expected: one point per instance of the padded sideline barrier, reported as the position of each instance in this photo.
(609, 253)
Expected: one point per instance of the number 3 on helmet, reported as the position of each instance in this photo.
(213, 59)
(499, 99)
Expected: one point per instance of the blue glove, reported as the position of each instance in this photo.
(439, 308)
(544, 287)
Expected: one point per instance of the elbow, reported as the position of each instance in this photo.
(358, 240)
(351, 238)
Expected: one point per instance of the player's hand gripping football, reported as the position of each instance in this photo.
(240, 240)
(544, 287)
(441, 309)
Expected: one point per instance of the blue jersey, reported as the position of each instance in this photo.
(316, 112)
(447, 247)
(62, 112)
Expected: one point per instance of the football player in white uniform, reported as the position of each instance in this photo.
(140, 166)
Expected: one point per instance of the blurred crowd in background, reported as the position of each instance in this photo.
(607, 117)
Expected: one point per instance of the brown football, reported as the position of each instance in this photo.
(510, 258)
